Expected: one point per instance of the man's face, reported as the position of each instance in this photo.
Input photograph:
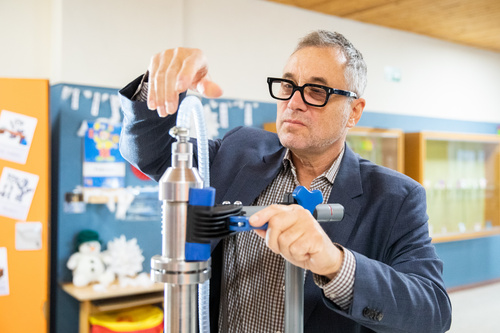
(307, 129)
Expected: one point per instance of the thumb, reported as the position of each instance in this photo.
(208, 88)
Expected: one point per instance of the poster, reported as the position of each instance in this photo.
(4, 273)
(16, 135)
(103, 164)
(16, 193)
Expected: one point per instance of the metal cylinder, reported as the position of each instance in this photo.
(181, 310)
(294, 298)
(180, 277)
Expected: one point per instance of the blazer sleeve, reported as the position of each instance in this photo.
(402, 289)
(144, 139)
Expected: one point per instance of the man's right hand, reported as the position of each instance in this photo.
(172, 72)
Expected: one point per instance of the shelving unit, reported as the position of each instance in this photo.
(461, 175)
(115, 297)
(382, 146)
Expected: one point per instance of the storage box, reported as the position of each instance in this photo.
(144, 319)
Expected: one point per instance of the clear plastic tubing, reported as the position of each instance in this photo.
(191, 105)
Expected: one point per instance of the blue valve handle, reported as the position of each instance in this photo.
(307, 199)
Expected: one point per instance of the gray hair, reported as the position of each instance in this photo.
(355, 68)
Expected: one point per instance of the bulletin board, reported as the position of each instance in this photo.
(24, 205)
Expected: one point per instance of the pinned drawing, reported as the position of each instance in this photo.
(4, 273)
(16, 193)
(16, 135)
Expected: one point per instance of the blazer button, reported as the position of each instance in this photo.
(368, 313)
(379, 316)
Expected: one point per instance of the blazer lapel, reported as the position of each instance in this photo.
(258, 175)
(346, 187)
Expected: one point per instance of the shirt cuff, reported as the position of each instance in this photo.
(340, 289)
(141, 94)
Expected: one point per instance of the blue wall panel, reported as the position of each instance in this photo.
(470, 261)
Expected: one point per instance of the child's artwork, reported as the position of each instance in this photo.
(16, 135)
(103, 164)
(4, 273)
(16, 193)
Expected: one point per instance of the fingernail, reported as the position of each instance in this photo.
(170, 108)
(161, 112)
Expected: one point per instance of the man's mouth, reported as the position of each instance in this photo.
(293, 122)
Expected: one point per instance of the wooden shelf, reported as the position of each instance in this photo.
(465, 235)
(128, 301)
(112, 291)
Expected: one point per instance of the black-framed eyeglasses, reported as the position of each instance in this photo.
(312, 94)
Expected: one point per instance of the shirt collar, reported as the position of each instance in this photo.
(329, 174)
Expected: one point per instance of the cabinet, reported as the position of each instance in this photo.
(381, 146)
(461, 175)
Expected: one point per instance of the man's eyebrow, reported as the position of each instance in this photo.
(320, 80)
(314, 79)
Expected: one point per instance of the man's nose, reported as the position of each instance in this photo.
(296, 101)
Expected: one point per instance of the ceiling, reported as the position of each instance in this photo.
(470, 22)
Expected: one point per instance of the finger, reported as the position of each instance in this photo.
(292, 243)
(303, 248)
(261, 217)
(171, 73)
(194, 75)
(209, 88)
(152, 69)
(157, 79)
(194, 68)
(282, 229)
(261, 233)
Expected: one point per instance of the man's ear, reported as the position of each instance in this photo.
(357, 108)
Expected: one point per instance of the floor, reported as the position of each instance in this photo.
(476, 310)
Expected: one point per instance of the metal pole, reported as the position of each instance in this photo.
(294, 298)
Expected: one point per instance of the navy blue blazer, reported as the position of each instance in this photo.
(398, 283)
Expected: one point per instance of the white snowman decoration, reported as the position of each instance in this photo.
(87, 264)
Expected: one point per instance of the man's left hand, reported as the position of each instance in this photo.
(295, 234)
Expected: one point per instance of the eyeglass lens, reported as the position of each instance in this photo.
(312, 95)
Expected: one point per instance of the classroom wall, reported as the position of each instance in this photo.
(24, 38)
(107, 43)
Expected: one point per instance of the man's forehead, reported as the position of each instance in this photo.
(313, 79)
(316, 61)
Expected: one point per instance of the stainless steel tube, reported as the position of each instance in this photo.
(181, 308)
(294, 298)
(181, 278)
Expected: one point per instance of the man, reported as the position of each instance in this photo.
(374, 271)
